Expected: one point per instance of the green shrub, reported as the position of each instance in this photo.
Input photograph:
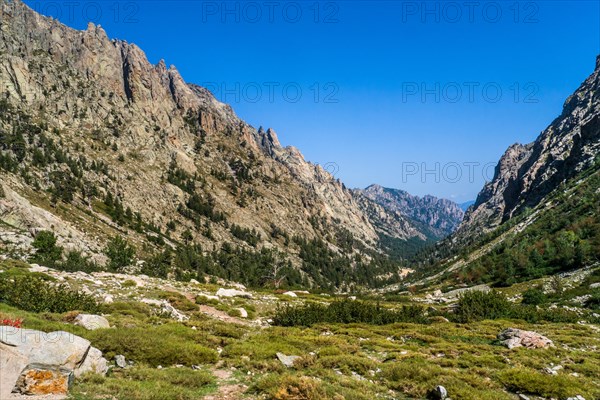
(120, 253)
(128, 283)
(477, 306)
(594, 301)
(75, 261)
(47, 252)
(31, 293)
(535, 296)
(347, 312)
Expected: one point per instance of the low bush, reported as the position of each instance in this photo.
(165, 345)
(290, 387)
(594, 301)
(535, 296)
(347, 312)
(31, 293)
(477, 306)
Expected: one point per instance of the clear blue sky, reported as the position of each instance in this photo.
(401, 85)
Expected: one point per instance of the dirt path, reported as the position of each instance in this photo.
(222, 316)
(228, 388)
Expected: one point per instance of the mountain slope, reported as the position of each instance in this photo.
(527, 173)
(95, 141)
(539, 214)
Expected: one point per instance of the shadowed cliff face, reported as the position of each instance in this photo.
(528, 173)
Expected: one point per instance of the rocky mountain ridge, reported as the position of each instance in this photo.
(434, 218)
(527, 173)
(96, 141)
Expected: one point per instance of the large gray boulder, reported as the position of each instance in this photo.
(35, 363)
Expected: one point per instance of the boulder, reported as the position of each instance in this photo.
(39, 363)
(512, 338)
(40, 381)
(290, 294)
(439, 393)
(243, 312)
(94, 363)
(288, 361)
(167, 308)
(12, 363)
(57, 349)
(92, 322)
(120, 361)
(233, 293)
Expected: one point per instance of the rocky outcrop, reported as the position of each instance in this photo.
(512, 338)
(526, 174)
(38, 363)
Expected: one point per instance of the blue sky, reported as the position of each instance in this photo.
(422, 96)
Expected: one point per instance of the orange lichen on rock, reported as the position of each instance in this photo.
(42, 382)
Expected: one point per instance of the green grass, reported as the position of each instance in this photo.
(143, 383)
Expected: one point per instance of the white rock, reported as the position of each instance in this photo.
(94, 363)
(288, 361)
(92, 322)
(120, 361)
(243, 312)
(290, 294)
(233, 293)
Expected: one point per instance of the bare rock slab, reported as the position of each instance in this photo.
(513, 337)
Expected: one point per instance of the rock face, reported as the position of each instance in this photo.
(512, 338)
(140, 133)
(528, 173)
(34, 362)
(428, 215)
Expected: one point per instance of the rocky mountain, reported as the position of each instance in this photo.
(95, 141)
(526, 174)
(433, 218)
